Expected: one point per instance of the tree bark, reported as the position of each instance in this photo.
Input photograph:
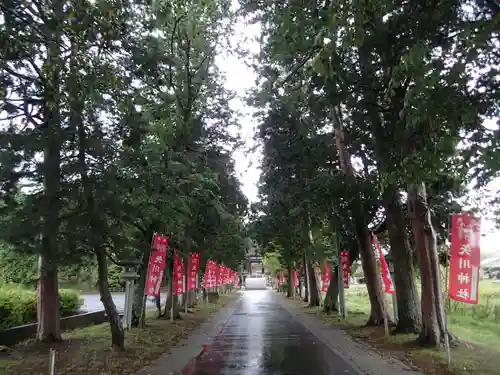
(306, 278)
(171, 299)
(332, 294)
(378, 303)
(115, 323)
(48, 314)
(313, 287)
(140, 286)
(433, 324)
(409, 318)
(289, 292)
(48, 309)
(96, 223)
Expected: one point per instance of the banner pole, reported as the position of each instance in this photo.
(447, 299)
(186, 278)
(142, 317)
(173, 287)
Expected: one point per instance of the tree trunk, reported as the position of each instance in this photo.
(115, 323)
(306, 278)
(409, 318)
(313, 287)
(96, 223)
(433, 325)
(289, 292)
(140, 286)
(332, 294)
(171, 299)
(48, 327)
(48, 309)
(378, 303)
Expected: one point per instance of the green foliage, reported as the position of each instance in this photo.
(18, 304)
(139, 141)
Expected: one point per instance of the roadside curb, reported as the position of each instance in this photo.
(193, 347)
(362, 357)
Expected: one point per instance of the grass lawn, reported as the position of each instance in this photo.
(87, 351)
(477, 327)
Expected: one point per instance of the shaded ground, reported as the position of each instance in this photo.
(263, 338)
(87, 351)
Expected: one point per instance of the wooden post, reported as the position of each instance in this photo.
(52, 362)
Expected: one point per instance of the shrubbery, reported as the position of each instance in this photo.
(18, 305)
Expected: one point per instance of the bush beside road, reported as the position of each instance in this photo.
(18, 305)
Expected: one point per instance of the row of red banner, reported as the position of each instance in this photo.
(465, 259)
(215, 275)
(326, 274)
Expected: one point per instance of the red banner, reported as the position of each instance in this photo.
(344, 257)
(156, 267)
(465, 254)
(218, 275)
(281, 278)
(194, 269)
(224, 275)
(236, 279)
(386, 275)
(210, 275)
(326, 277)
(295, 279)
(178, 276)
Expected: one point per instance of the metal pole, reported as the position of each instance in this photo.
(446, 337)
(394, 297)
(173, 292)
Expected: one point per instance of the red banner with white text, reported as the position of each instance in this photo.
(465, 258)
(194, 269)
(295, 279)
(157, 262)
(344, 257)
(386, 275)
(281, 278)
(326, 276)
(210, 275)
(178, 276)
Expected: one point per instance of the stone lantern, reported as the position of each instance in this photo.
(129, 275)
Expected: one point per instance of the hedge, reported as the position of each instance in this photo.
(18, 305)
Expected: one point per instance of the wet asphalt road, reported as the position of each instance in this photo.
(262, 338)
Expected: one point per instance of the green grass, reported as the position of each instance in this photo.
(477, 327)
(87, 351)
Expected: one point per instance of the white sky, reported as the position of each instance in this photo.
(240, 78)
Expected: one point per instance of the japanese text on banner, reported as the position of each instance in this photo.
(178, 276)
(344, 256)
(194, 269)
(326, 277)
(295, 279)
(281, 278)
(157, 262)
(210, 275)
(465, 257)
